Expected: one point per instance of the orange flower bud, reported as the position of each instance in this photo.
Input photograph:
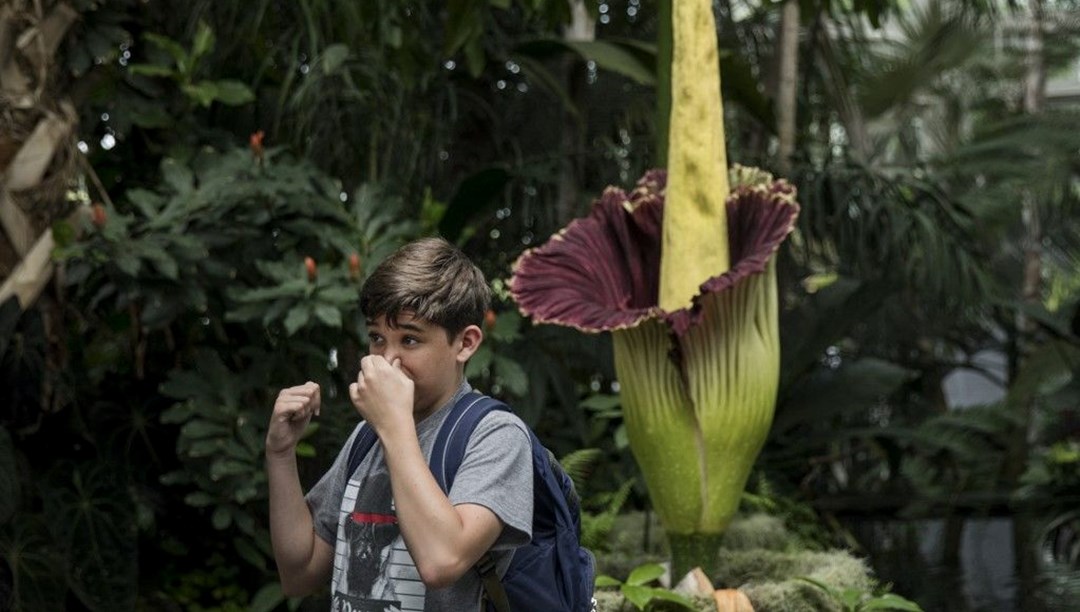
(98, 215)
(256, 143)
(354, 266)
(489, 319)
(312, 269)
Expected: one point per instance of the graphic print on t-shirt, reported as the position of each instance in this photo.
(373, 571)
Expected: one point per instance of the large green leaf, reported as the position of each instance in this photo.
(203, 92)
(329, 315)
(36, 565)
(232, 93)
(1046, 371)
(640, 596)
(645, 574)
(93, 516)
(619, 58)
(511, 374)
(298, 317)
(203, 43)
(152, 70)
(890, 601)
(616, 58)
(466, 23)
(179, 55)
(538, 74)
(605, 581)
(333, 57)
(268, 598)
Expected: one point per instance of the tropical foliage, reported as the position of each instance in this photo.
(235, 169)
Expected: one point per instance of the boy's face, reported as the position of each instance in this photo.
(428, 358)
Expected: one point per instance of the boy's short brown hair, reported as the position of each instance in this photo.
(431, 279)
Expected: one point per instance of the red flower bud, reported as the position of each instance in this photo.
(312, 269)
(256, 143)
(489, 320)
(98, 216)
(354, 266)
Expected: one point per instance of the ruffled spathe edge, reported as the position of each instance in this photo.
(601, 272)
(760, 218)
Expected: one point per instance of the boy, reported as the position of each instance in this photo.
(387, 534)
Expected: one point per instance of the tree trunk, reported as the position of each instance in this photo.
(788, 77)
(1030, 293)
(1034, 100)
(843, 96)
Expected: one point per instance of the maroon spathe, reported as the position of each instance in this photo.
(602, 272)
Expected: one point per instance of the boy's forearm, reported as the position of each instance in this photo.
(291, 528)
(442, 545)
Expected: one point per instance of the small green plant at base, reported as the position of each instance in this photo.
(857, 600)
(636, 591)
(599, 510)
(598, 523)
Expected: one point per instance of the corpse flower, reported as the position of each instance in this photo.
(698, 384)
(683, 274)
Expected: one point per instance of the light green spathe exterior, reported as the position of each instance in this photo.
(696, 433)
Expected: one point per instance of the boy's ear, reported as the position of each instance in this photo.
(471, 337)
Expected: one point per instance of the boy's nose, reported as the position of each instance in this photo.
(390, 354)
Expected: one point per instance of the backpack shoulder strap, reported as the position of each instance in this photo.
(453, 437)
(362, 444)
(493, 587)
(446, 457)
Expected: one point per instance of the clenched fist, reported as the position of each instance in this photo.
(292, 413)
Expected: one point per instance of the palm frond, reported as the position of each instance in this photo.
(871, 225)
(934, 43)
(963, 450)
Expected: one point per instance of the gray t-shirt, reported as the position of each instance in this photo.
(373, 570)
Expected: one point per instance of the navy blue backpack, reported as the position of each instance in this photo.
(553, 572)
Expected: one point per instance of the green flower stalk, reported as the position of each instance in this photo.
(683, 274)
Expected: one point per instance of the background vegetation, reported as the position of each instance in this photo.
(235, 168)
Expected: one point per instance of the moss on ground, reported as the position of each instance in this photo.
(613, 601)
(769, 578)
(630, 547)
(760, 557)
(758, 532)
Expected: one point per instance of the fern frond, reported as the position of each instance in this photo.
(580, 464)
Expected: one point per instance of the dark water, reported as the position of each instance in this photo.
(983, 577)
